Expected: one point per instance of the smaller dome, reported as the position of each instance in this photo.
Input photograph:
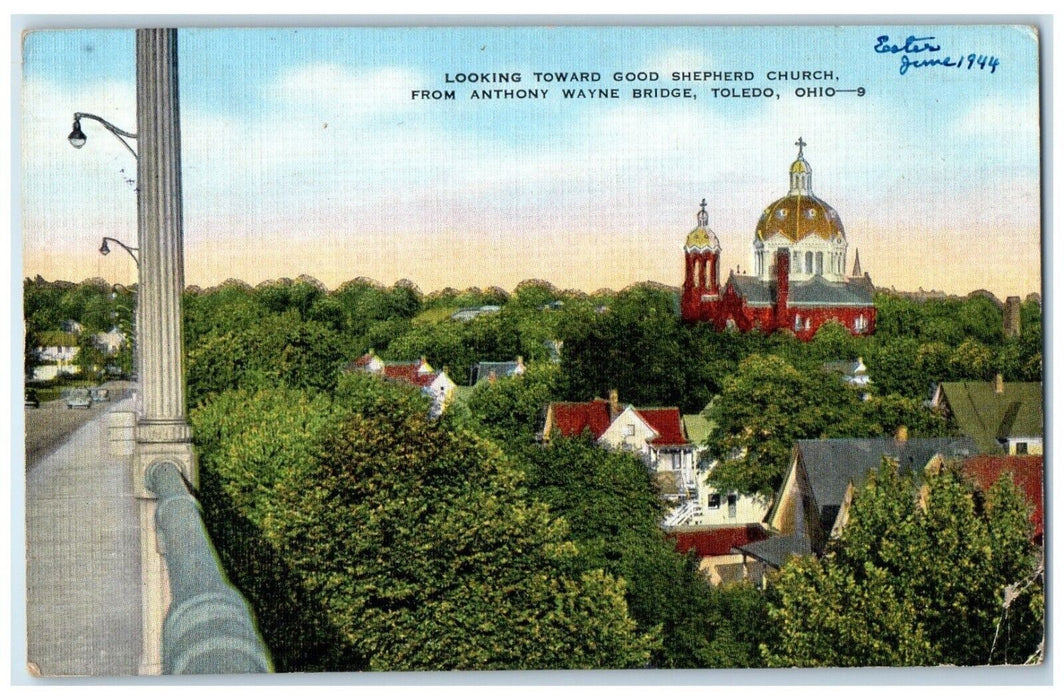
(702, 238)
(799, 166)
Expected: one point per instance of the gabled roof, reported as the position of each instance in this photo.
(820, 292)
(832, 465)
(666, 423)
(362, 361)
(1028, 474)
(713, 542)
(989, 416)
(816, 291)
(46, 339)
(776, 550)
(485, 370)
(573, 418)
(697, 427)
(408, 372)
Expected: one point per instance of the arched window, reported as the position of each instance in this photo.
(820, 263)
(809, 262)
(797, 322)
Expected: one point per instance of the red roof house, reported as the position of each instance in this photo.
(1028, 474)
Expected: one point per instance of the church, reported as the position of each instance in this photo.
(799, 279)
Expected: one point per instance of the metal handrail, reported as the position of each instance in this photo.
(209, 628)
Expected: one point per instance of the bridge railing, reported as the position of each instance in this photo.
(209, 628)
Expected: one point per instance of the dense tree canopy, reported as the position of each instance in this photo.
(915, 581)
(413, 544)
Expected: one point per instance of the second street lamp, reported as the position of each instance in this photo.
(77, 137)
(106, 249)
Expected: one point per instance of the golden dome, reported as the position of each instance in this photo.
(799, 216)
(701, 238)
(799, 166)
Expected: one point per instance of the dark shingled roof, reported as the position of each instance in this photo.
(483, 370)
(775, 551)
(833, 464)
(820, 292)
(812, 292)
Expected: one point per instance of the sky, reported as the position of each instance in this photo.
(303, 152)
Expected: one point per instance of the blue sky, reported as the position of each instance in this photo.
(303, 153)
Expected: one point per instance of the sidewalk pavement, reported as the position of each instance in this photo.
(83, 611)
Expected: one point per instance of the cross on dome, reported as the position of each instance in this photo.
(800, 143)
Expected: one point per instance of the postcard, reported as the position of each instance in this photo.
(536, 347)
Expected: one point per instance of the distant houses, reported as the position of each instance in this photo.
(659, 435)
(435, 384)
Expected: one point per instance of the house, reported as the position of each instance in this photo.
(655, 434)
(469, 313)
(812, 504)
(109, 343)
(716, 508)
(1027, 473)
(490, 371)
(854, 373)
(436, 385)
(1002, 417)
(717, 548)
(798, 257)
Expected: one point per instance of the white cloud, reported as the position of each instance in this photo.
(331, 92)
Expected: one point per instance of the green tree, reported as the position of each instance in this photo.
(425, 558)
(614, 513)
(400, 544)
(916, 578)
(972, 360)
(511, 408)
(760, 412)
(894, 369)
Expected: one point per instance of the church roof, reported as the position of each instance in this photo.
(800, 214)
(816, 291)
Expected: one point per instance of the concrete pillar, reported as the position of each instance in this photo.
(162, 432)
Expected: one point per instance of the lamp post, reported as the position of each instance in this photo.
(162, 432)
(77, 137)
(106, 250)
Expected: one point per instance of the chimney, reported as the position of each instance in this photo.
(902, 434)
(999, 385)
(615, 405)
(1012, 317)
(783, 284)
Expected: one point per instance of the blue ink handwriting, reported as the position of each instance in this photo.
(925, 44)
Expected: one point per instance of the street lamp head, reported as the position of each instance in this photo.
(77, 136)
(104, 249)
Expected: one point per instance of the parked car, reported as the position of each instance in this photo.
(100, 395)
(79, 398)
(32, 399)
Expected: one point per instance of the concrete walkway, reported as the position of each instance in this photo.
(83, 612)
